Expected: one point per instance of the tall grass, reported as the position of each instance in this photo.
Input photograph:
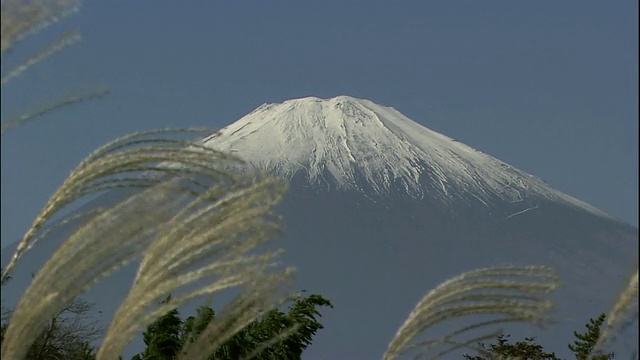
(198, 228)
(509, 294)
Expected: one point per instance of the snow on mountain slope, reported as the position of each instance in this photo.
(359, 144)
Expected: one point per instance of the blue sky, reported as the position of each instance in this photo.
(549, 87)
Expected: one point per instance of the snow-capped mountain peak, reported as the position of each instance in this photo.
(357, 144)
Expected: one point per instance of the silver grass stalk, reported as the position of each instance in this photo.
(119, 164)
(623, 313)
(34, 112)
(264, 346)
(92, 251)
(227, 231)
(186, 233)
(510, 294)
(60, 43)
(262, 294)
(192, 223)
(22, 18)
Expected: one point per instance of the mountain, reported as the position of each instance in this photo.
(359, 145)
(381, 209)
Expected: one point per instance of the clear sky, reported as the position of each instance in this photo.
(550, 87)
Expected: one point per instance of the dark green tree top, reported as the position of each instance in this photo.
(301, 316)
(293, 331)
(163, 337)
(583, 346)
(527, 349)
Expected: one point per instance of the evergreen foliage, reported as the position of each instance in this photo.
(276, 335)
(583, 347)
(526, 349)
(163, 338)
